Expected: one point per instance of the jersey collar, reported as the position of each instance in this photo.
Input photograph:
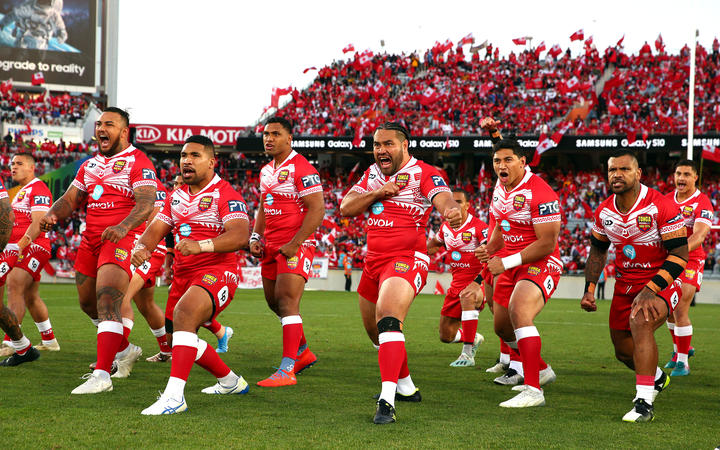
(526, 177)
(211, 184)
(122, 154)
(641, 196)
(695, 194)
(290, 156)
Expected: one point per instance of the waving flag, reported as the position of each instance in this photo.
(579, 35)
(519, 41)
(348, 48)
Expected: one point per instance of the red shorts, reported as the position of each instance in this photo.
(624, 296)
(412, 267)
(545, 274)
(32, 261)
(93, 254)
(217, 281)
(275, 262)
(693, 273)
(152, 268)
(451, 306)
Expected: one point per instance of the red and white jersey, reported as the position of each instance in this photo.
(109, 183)
(202, 216)
(398, 223)
(461, 245)
(160, 194)
(531, 202)
(696, 208)
(636, 235)
(33, 197)
(3, 192)
(282, 189)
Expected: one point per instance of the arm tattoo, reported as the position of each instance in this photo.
(9, 323)
(65, 205)
(109, 302)
(7, 217)
(144, 203)
(595, 264)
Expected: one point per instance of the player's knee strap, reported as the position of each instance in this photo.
(168, 326)
(389, 324)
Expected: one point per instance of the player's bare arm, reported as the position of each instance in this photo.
(256, 242)
(493, 245)
(63, 207)
(593, 268)
(434, 245)
(144, 247)
(235, 237)
(448, 207)
(491, 126)
(354, 204)
(676, 244)
(547, 234)
(700, 232)
(7, 217)
(315, 207)
(144, 205)
(33, 230)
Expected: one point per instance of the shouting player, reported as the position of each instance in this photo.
(118, 185)
(210, 222)
(29, 250)
(459, 314)
(651, 252)
(399, 191)
(291, 209)
(697, 212)
(527, 221)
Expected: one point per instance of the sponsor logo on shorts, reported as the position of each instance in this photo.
(456, 256)
(689, 274)
(209, 279)
(121, 254)
(4, 268)
(401, 267)
(283, 175)
(519, 202)
(629, 252)
(687, 211)
(20, 258)
(674, 299)
(402, 180)
(119, 166)
(145, 268)
(97, 192)
(466, 237)
(307, 265)
(377, 208)
(205, 203)
(34, 264)
(505, 225)
(223, 296)
(269, 199)
(292, 263)
(185, 229)
(534, 270)
(644, 222)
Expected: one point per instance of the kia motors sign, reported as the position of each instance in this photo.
(176, 134)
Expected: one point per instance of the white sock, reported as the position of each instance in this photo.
(405, 386)
(43, 326)
(467, 349)
(387, 392)
(159, 332)
(504, 358)
(517, 365)
(229, 379)
(458, 337)
(95, 322)
(21, 343)
(645, 392)
(658, 373)
(175, 388)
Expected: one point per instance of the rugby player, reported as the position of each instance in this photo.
(651, 252)
(399, 191)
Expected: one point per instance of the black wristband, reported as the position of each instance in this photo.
(478, 279)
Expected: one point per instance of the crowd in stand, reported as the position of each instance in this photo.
(447, 92)
(61, 109)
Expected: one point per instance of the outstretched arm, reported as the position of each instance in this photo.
(63, 207)
(593, 268)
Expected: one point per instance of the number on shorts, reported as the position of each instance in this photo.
(549, 284)
(674, 299)
(223, 296)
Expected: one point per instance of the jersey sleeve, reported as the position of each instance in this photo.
(597, 226)
(3, 192)
(670, 219)
(704, 211)
(544, 207)
(440, 235)
(481, 230)
(432, 183)
(361, 187)
(307, 180)
(165, 214)
(40, 199)
(79, 180)
(231, 206)
(160, 195)
(142, 173)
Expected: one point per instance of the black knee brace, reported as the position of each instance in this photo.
(168, 326)
(389, 324)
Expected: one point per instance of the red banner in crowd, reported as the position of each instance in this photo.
(176, 134)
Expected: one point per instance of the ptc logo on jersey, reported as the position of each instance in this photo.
(401, 267)
(237, 206)
(687, 211)
(466, 237)
(205, 203)
(283, 175)
(519, 202)
(706, 214)
(119, 166)
(310, 180)
(689, 274)
(534, 270)
(42, 200)
(438, 181)
(402, 180)
(209, 279)
(292, 263)
(121, 254)
(644, 222)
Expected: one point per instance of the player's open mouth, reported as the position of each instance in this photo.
(187, 171)
(503, 175)
(618, 184)
(268, 146)
(384, 161)
(103, 140)
(681, 184)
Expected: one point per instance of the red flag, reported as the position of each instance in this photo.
(447, 45)
(659, 45)
(544, 144)
(6, 86)
(38, 78)
(620, 42)
(351, 175)
(469, 39)
(519, 41)
(631, 136)
(365, 59)
(378, 89)
(554, 51)
(348, 48)
(309, 69)
(540, 48)
(429, 96)
(557, 136)
(439, 289)
(579, 35)
(613, 109)
(276, 93)
(711, 152)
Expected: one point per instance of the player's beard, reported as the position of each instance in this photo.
(625, 187)
(113, 149)
(395, 164)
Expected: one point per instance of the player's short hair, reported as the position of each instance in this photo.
(26, 155)
(205, 141)
(124, 114)
(510, 144)
(283, 123)
(400, 130)
(686, 163)
(626, 152)
(463, 192)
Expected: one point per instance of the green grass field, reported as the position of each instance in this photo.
(332, 404)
